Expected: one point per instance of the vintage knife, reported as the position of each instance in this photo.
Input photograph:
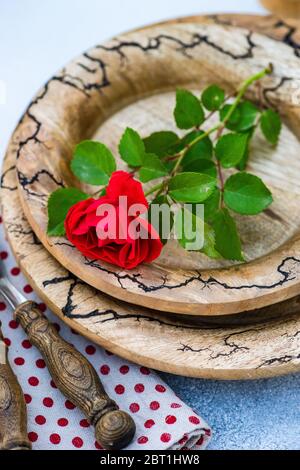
(75, 377)
(13, 415)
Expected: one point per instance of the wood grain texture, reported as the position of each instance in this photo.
(283, 8)
(77, 379)
(13, 414)
(94, 96)
(147, 337)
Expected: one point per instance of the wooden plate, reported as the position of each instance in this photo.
(127, 82)
(147, 337)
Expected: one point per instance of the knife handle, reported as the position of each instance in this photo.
(13, 415)
(77, 379)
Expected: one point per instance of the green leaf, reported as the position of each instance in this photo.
(201, 166)
(270, 124)
(211, 205)
(213, 97)
(228, 242)
(201, 150)
(93, 162)
(188, 112)
(187, 227)
(243, 162)
(209, 243)
(152, 168)
(232, 122)
(132, 148)
(160, 143)
(246, 194)
(191, 187)
(160, 222)
(243, 117)
(230, 149)
(59, 204)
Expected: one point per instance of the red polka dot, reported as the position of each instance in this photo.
(52, 383)
(170, 419)
(2, 306)
(40, 419)
(0, 219)
(84, 423)
(15, 271)
(40, 363)
(33, 381)
(19, 361)
(32, 436)
(7, 341)
(27, 289)
(26, 344)
(119, 389)
(3, 254)
(104, 369)
(28, 398)
(57, 327)
(97, 445)
(183, 440)
(77, 442)
(42, 307)
(207, 432)
(48, 402)
(139, 388)
(200, 441)
(176, 405)
(165, 437)
(194, 420)
(124, 370)
(149, 423)
(90, 350)
(144, 371)
(55, 438)
(69, 405)
(62, 422)
(142, 440)
(160, 388)
(13, 324)
(154, 405)
(134, 407)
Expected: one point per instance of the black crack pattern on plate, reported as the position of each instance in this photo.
(287, 275)
(112, 314)
(26, 182)
(186, 348)
(5, 175)
(279, 360)
(272, 89)
(288, 37)
(154, 43)
(18, 230)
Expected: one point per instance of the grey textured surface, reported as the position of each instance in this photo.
(261, 414)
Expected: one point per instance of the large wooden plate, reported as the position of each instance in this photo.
(126, 82)
(147, 337)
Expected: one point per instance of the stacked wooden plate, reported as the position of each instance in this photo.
(186, 315)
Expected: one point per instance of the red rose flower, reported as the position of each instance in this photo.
(121, 246)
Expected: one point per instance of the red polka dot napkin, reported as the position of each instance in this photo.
(163, 421)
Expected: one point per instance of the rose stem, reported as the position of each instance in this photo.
(220, 126)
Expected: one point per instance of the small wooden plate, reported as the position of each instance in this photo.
(144, 336)
(127, 81)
